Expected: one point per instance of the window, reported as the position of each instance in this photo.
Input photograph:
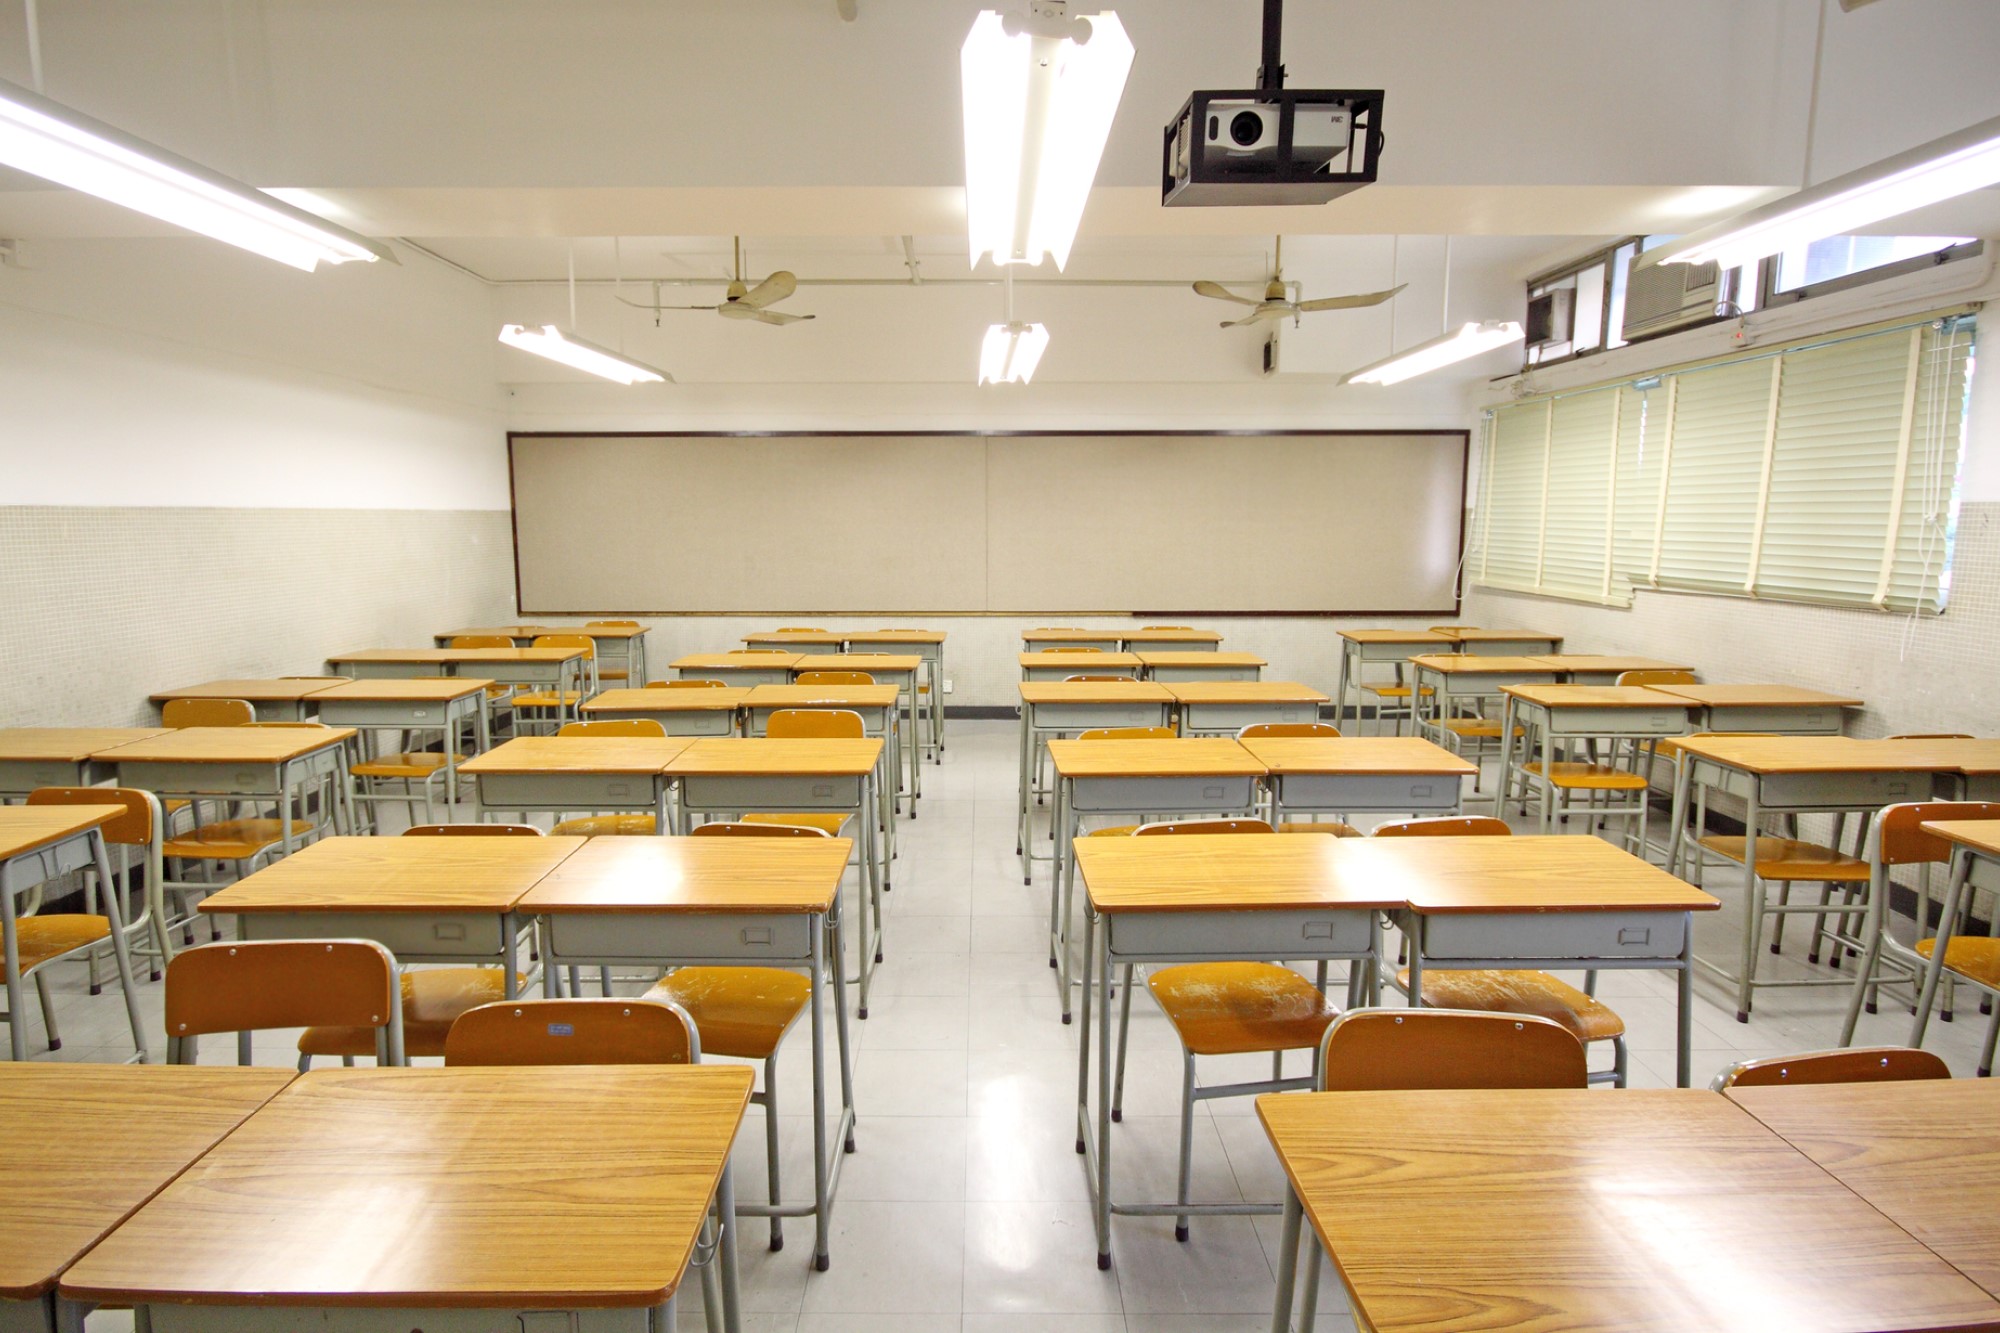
(1825, 471)
(1832, 259)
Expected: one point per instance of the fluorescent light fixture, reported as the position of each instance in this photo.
(1011, 352)
(1040, 93)
(1927, 174)
(1447, 349)
(551, 342)
(49, 140)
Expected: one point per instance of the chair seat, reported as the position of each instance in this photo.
(614, 674)
(1333, 826)
(1232, 1008)
(1974, 957)
(413, 764)
(1477, 728)
(830, 824)
(1587, 777)
(739, 1011)
(45, 937)
(230, 840)
(1394, 691)
(607, 826)
(433, 998)
(1789, 859)
(1535, 993)
(549, 699)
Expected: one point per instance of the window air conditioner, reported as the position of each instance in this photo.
(1668, 296)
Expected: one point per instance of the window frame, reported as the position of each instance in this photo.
(1769, 297)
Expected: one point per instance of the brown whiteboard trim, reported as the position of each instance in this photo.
(983, 615)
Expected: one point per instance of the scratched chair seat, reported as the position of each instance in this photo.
(411, 764)
(231, 839)
(1586, 777)
(739, 1011)
(1333, 826)
(828, 823)
(1790, 859)
(1975, 957)
(1521, 992)
(42, 938)
(1238, 1008)
(1477, 728)
(433, 998)
(606, 826)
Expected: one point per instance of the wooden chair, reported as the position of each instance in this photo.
(573, 1032)
(811, 724)
(701, 684)
(422, 774)
(1256, 730)
(605, 673)
(1176, 627)
(624, 726)
(1522, 993)
(1861, 1064)
(207, 713)
(1394, 701)
(1657, 677)
(833, 678)
(497, 694)
(472, 831)
(245, 987)
(630, 824)
(1896, 838)
(1127, 734)
(549, 708)
(481, 641)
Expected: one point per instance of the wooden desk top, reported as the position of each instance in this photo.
(804, 696)
(695, 875)
(1193, 757)
(1759, 696)
(24, 828)
(447, 656)
(1222, 872)
(1070, 635)
(1200, 659)
(1474, 664)
(440, 1187)
(255, 691)
(1556, 873)
(795, 636)
(1610, 662)
(83, 1145)
(1356, 754)
(897, 662)
(412, 690)
(1094, 692)
(227, 745)
(740, 661)
(1979, 757)
(1978, 835)
(896, 636)
(720, 756)
(718, 700)
(1595, 696)
(1169, 636)
(354, 874)
(535, 631)
(1452, 1211)
(1813, 754)
(69, 744)
(1083, 662)
(1245, 692)
(1395, 636)
(579, 754)
(1479, 634)
(1926, 1154)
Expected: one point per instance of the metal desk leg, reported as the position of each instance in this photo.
(1103, 1095)
(1954, 894)
(725, 1210)
(114, 913)
(821, 1199)
(1684, 1019)
(510, 960)
(836, 946)
(1288, 1262)
(1061, 890)
(17, 1012)
(1753, 905)
(1340, 689)
(1021, 827)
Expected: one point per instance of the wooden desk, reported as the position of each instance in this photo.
(900, 670)
(1223, 708)
(624, 645)
(926, 643)
(1206, 898)
(421, 705)
(681, 712)
(1553, 903)
(1197, 640)
(263, 764)
(1606, 668)
(427, 900)
(1974, 774)
(875, 705)
(1921, 1153)
(275, 700)
(1055, 664)
(570, 773)
(1549, 715)
(1458, 1211)
(551, 667)
(739, 669)
(82, 1146)
(1503, 642)
(39, 843)
(1465, 681)
(1781, 708)
(1167, 667)
(1343, 775)
(376, 1198)
(1975, 864)
(32, 757)
(804, 642)
(677, 902)
(1056, 708)
(1106, 639)
(1394, 646)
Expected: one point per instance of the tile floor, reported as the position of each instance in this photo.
(965, 1208)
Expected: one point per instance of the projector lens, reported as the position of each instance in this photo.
(1246, 128)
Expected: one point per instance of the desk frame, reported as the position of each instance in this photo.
(27, 870)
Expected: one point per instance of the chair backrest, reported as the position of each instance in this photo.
(1127, 734)
(760, 652)
(1384, 1050)
(578, 1031)
(583, 641)
(1896, 837)
(1657, 678)
(334, 680)
(481, 641)
(1073, 679)
(1166, 627)
(208, 712)
(251, 986)
(815, 724)
(1064, 628)
(1205, 826)
(1078, 648)
(1445, 826)
(1860, 1064)
(135, 828)
(1933, 736)
(801, 629)
(1256, 729)
(732, 829)
(611, 624)
(684, 684)
(833, 678)
(624, 726)
(472, 831)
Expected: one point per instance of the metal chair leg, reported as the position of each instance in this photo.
(771, 1146)
(1187, 1139)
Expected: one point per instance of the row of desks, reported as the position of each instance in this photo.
(1060, 664)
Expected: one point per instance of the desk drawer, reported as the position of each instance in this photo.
(200, 779)
(411, 936)
(1394, 793)
(289, 1317)
(680, 937)
(1793, 721)
(1173, 795)
(24, 872)
(1231, 718)
(1853, 791)
(1592, 722)
(1535, 936)
(776, 792)
(1200, 935)
(388, 670)
(387, 713)
(18, 777)
(567, 791)
(706, 722)
(1080, 717)
(1170, 674)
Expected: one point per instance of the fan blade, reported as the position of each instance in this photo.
(1221, 293)
(1355, 302)
(779, 317)
(1265, 310)
(683, 307)
(774, 288)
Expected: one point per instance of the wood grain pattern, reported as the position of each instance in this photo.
(1978, 834)
(1541, 1211)
(694, 875)
(69, 744)
(1760, 696)
(1480, 634)
(1594, 696)
(668, 701)
(1094, 692)
(1050, 658)
(779, 638)
(82, 1146)
(228, 745)
(579, 754)
(1200, 659)
(1221, 872)
(532, 631)
(448, 656)
(763, 756)
(1472, 664)
(413, 689)
(823, 696)
(1557, 873)
(1610, 662)
(1395, 636)
(23, 828)
(256, 691)
(1200, 756)
(1815, 754)
(897, 636)
(1070, 636)
(897, 662)
(348, 874)
(440, 1187)
(1356, 754)
(1920, 1152)
(721, 662)
(1979, 757)
(1245, 692)
(1169, 636)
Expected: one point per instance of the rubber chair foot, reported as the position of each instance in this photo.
(1870, 1008)
(1079, 1147)
(777, 1243)
(878, 955)
(1065, 1020)
(822, 1262)
(849, 1145)
(56, 1044)
(1103, 1262)
(1181, 1234)
(1743, 1015)
(1945, 1014)
(1052, 960)
(97, 990)
(1117, 1115)
(862, 1012)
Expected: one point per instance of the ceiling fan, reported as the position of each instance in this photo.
(1275, 306)
(746, 302)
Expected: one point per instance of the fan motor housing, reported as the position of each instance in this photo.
(1270, 146)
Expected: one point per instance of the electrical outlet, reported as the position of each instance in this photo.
(947, 684)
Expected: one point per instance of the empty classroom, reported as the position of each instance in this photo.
(1019, 666)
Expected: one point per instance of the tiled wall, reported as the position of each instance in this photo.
(99, 607)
